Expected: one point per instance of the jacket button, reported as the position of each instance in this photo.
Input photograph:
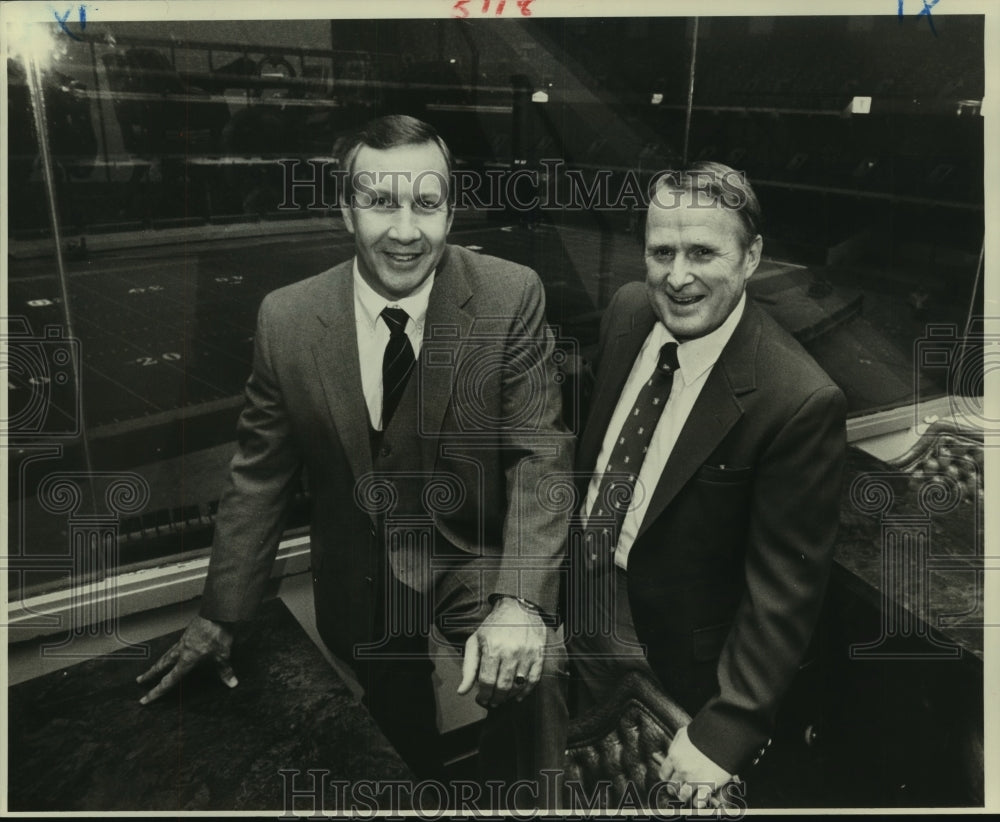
(369, 580)
(385, 450)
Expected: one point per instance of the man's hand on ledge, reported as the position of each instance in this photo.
(505, 654)
(203, 639)
(697, 778)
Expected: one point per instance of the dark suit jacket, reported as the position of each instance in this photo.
(487, 357)
(728, 570)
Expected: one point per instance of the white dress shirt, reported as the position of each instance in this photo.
(373, 334)
(696, 358)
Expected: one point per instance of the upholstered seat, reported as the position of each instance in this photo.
(615, 742)
(945, 449)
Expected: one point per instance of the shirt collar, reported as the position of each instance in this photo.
(369, 303)
(696, 356)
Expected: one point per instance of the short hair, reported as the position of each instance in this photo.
(390, 131)
(725, 186)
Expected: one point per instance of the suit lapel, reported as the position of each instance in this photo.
(714, 413)
(616, 365)
(446, 331)
(336, 354)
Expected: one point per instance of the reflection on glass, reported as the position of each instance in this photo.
(181, 204)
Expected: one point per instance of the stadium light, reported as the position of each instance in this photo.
(32, 43)
(861, 105)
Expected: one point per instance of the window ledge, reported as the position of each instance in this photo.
(75, 608)
(896, 420)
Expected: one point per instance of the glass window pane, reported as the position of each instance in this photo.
(193, 171)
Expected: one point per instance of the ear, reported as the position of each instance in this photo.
(451, 219)
(753, 256)
(348, 215)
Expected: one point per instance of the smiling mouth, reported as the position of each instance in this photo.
(677, 300)
(402, 258)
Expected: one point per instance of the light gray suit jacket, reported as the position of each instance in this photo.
(489, 428)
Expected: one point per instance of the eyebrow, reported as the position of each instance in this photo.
(387, 187)
(695, 244)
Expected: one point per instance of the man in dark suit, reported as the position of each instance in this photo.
(416, 387)
(713, 454)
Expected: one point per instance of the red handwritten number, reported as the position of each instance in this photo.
(462, 12)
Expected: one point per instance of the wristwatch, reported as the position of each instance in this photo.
(527, 604)
(524, 603)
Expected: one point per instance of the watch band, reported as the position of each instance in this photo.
(524, 603)
(548, 619)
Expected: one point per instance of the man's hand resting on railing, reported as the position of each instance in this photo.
(203, 639)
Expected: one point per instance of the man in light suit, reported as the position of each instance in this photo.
(416, 387)
(712, 458)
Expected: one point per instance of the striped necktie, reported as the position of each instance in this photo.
(617, 488)
(397, 363)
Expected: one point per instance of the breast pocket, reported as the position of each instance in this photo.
(723, 475)
(724, 494)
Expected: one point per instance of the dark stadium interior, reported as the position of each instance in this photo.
(176, 216)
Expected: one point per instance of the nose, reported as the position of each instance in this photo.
(404, 228)
(678, 273)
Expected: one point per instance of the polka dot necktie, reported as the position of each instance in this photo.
(617, 488)
(397, 363)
